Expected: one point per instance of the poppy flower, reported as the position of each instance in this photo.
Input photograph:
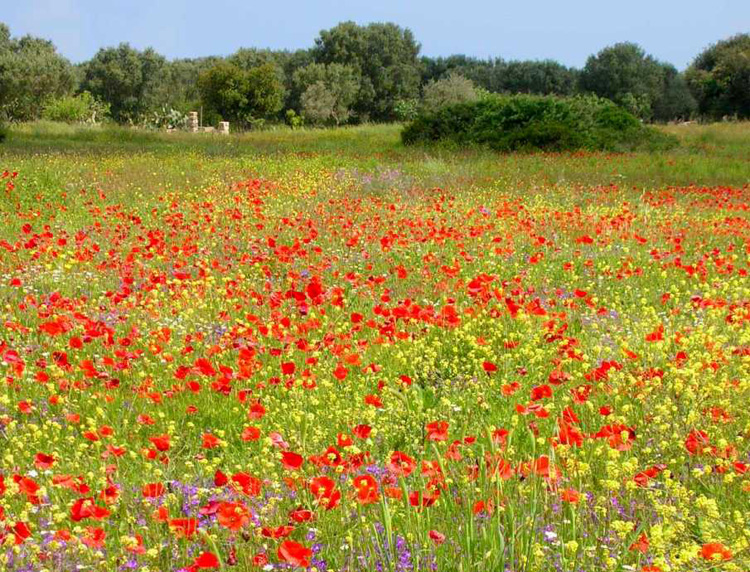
(153, 490)
(205, 561)
(437, 431)
(362, 431)
(232, 515)
(247, 483)
(401, 464)
(161, 442)
(291, 461)
(294, 553)
(250, 434)
(43, 461)
(715, 551)
(94, 537)
(184, 527)
(437, 537)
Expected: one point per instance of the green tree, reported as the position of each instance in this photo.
(75, 109)
(124, 78)
(318, 103)
(239, 95)
(625, 74)
(223, 90)
(675, 101)
(385, 57)
(176, 85)
(31, 73)
(341, 85)
(265, 91)
(453, 88)
(719, 78)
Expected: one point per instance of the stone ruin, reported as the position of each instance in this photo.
(193, 125)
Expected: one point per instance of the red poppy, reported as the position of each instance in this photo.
(291, 461)
(295, 554)
(715, 551)
(250, 434)
(43, 461)
(161, 442)
(210, 441)
(153, 490)
(184, 527)
(437, 537)
(489, 367)
(233, 515)
(401, 464)
(437, 431)
(205, 561)
(362, 431)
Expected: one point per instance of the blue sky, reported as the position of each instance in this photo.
(564, 30)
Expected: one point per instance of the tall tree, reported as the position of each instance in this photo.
(384, 55)
(241, 95)
(125, 78)
(625, 74)
(675, 101)
(720, 78)
(31, 73)
(341, 86)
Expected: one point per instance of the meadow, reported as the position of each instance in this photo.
(323, 350)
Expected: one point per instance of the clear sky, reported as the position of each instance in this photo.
(564, 30)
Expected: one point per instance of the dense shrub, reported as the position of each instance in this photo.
(451, 89)
(82, 108)
(720, 78)
(527, 122)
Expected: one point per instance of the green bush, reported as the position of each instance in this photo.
(3, 133)
(82, 108)
(529, 123)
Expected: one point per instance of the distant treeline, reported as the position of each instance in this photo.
(351, 74)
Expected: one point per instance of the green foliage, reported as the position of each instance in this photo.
(406, 109)
(81, 108)
(293, 120)
(223, 89)
(124, 78)
(526, 122)
(719, 78)
(452, 89)
(31, 73)
(167, 118)
(496, 75)
(265, 91)
(176, 86)
(625, 74)
(385, 58)
(239, 95)
(337, 85)
(318, 103)
(647, 88)
(675, 101)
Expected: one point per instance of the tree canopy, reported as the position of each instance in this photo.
(720, 78)
(354, 73)
(31, 73)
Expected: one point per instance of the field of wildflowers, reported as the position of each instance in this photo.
(332, 358)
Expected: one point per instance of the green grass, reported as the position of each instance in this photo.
(708, 155)
(541, 266)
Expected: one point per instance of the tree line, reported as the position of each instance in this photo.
(352, 73)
